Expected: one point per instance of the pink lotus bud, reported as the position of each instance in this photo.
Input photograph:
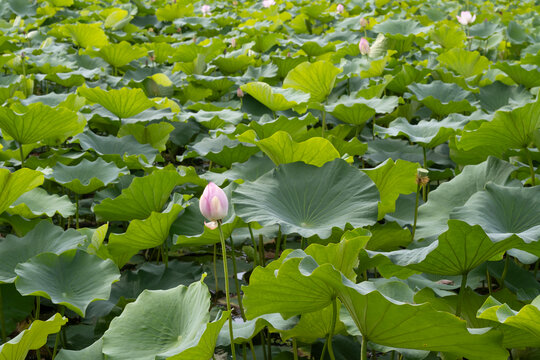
(466, 18)
(206, 10)
(239, 93)
(233, 42)
(235, 3)
(268, 3)
(340, 8)
(364, 22)
(363, 46)
(213, 203)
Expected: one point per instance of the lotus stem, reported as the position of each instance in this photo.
(363, 355)
(226, 274)
(61, 311)
(269, 346)
(77, 211)
(505, 271)
(21, 155)
(2, 319)
(244, 351)
(332, 328)
(215, 268)
(255, 261)
(323, 123)
(415, 212)
(302, 243)
(488, 278)
(295, 348)
(261, 249)
(531, 167)
(263, 345)
(253, 356)
(278, 244)
(37, 309)
(461, 294)
(424, 188)
(237, 284)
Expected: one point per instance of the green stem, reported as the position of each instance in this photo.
(323, 123)
(244, 351)
(254, 245)
(261, 249)
(324, 350)
(531, 167)
(461, 294)
(269, 346)
(488, 277)
(373, 130)
(302, 243)
(263, 345)
(237, 284)
(295, 348)
(424, 188)
(363, 355)
(21, 155)
(284, 242)
(332, 328)
(253, 356)
(2, 319)
(226, 275)
(215, 268)
(38, 306)
(278, 243)
(61, 311)
(415, 212)
(505, 271)
(77, 211)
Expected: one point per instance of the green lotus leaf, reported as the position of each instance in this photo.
(246, 330)
(126, 150)
(282, 149)
(449, 37)
(215, 119)
(87, 35)
(171, 12)
(145, 331)
(275, 99)
(315, 325)
(144, 195)
(508, 130)
(73, 278)
(233, 63)
(433, 215)
(38, 202)
(37, 122)
(223, 150)
(405, 77)
(484, 29)
(121, 54)
(400, 27)
(442, 98)
(14, 184)
(316, 79)
(463, 62)
(239, 172)
(32, 338)
(388, 237)
(525, 75)
(498, 95)
(156, 135)
(92, 352)
(527, 318)
(358, 111)
(426, 133)
(299, 285)
(86, 176)
(392, 179)
(309, 200)
(44, 237)
(503, 211)
(16, 308)
(460, 249)
(266, 126)
(123, 103)
(142, 234)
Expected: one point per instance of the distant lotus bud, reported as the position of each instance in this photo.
(364, 22)
(235, 3)
(466, 18)
(151, 55)
(340, 8)
(422, 177)
(289, 54)
(239, 93)
(206, 10)
(363, 46)
(268, 3)
(213, 203)
(233, 42)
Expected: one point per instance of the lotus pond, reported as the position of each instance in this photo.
(370, 173)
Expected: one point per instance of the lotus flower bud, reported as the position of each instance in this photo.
(268, 3)
(205, 9)
(233, 42)
(213, 204)
(364, 22)
(466, 18)
(363, 46)
(340, 8)
(422, 177)
(239, 93)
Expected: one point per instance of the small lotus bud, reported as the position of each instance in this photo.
(340, 8)
(151, 30)
(289, 54)
(445, 282)
(466, 18)
(233, 42)
(205, 9)
(268, 3)
(364, 22)
(239, 93)
(363, 46)
(422, 177)
(213, 203)
(235, 3)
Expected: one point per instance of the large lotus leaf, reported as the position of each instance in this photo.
(246, 330)
(316, 79)
(37, 122)
(126, 149)
(144, 195)
(433, 215)
(267, 126)
(315, 325)
(121, 54)
(14, 184)
(146, 331)
(463, 62)
(275, 99)
(87, 176)
(224, 151)
(142, 234)
(73, 278)
(92, 352)
(442, 98)
(449, 37)
(527, 318)
(282, 149)
(400, 27)
(525, 75)
(358, 111)
(38, 202)
(240, 172)
(32, 338)
(300, 285)
(15, 307)
(392, 179)
(503, 211)
(45, 237)
(460, 249)
(156, 135)
(497, 95)
(508, 130)
(123, 103)
(87, 35)
(215, 119)
(309, 200)
(427, 133)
